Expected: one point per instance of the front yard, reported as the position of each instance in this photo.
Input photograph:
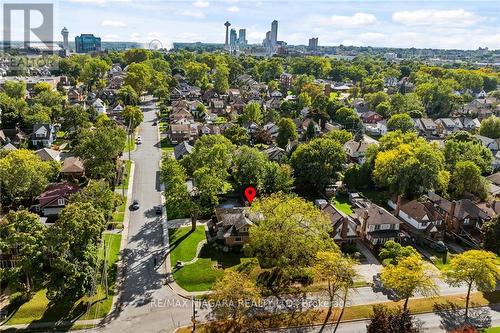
(166, 146)
(39, 308)
(201, 274)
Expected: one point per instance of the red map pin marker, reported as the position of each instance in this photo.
(250, 193)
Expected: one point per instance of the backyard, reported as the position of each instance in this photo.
(40, 309)
(341, 202)
(201, 274)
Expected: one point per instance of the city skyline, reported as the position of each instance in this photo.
(441, 24)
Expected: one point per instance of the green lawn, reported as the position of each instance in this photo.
(126, 175)
(119, 214)
(166, 146)
(492, 330)
(200, 275)
(39, 309)
(130, 144)
(342, 203)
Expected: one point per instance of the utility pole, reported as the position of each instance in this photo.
(105, 269)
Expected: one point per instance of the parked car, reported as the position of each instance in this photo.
(135, 205)
(138, 140)
(158, 210)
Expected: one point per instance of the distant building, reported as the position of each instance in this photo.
(86, 43)
(390, 55)
(65, 34)
(313, 43)
(242, 37)
(274, 33)
(232, 39)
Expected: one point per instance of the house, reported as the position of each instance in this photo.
(234, 94)
(492, 144)
(275, 153)
(238, 106)
(345, 229)
(286, 81)
(183, 132)
(43, 135)
(210, 94)
(75, 96)
(371, 117)
(98, 105)
(180, 116)
(471, 124)
(421, 219)
(116, 82)
(494, 184)
(376, 225)
(427, 127)
(47, 154)
(271, 129)
(356, 150)
(273, 104)
(205, 129)
(72, 167)
(230, 226)
(9, 147)
(182, 149)
(379, 128)
(276, 94)
(54, 198)
(217, 106)
(463, 218)
(446, 126)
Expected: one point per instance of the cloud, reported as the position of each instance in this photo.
(233, 9)
(356, 20)
(191, 13)
(433, 17)
(97, 2)
(110, 23)
(111, 38)
(201, 4)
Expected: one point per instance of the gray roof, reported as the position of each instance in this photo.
(182, 149)
(47, 154)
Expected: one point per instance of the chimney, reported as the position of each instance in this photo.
(398, 206)
(451, 216)
(345, 228)
(364, 218)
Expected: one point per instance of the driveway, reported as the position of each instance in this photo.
(369, 268)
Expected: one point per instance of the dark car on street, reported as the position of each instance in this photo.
(135, 205)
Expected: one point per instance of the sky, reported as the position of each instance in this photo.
(421, 24)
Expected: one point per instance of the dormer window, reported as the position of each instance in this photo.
(60, 202)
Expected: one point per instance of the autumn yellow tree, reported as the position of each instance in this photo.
(473, 268)
(408, 277)
(232, 296)
(339, 273)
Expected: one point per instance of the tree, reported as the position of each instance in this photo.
(348, 118)
(15, 89)
(466, 178)
(249, 167)
(490, 127)
(289, 233)
(237, 135)
(410, 168)
(323, 155)
(268, 70)
(99, 195)
(395, 251)
(197, 73)
(128, 95)
(136, 55)
(233, 296)
(76, 119)
(139, 77)
(93, 72)
(72, 243)
(287, 131)
(210, 184)
(133, 116)
(341, 136)
(339, 273)
(41, 87)
(277, 178)
(221, 79)
(251, 113)
(374, 99)
(36, 114)
(491, 232)
(402, 122)
(385, 320)
(23, 175)
(99, 148)
(23, 231)
(303, 100)
(473, 268)
(178, 202)
(410, 104)
(409, 277)
(456, 150)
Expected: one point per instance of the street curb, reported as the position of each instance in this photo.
(124, 241)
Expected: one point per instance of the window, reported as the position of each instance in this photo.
(392, 226)
(237, 239)
(60, 201)
(377, 227)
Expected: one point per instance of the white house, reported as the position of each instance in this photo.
(98, 105)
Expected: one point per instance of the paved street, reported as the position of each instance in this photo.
(431, 322)
(146, 305)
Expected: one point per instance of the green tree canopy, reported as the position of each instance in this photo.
(287, 131)
(490, 127)
(402, 122)
(133, 116)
